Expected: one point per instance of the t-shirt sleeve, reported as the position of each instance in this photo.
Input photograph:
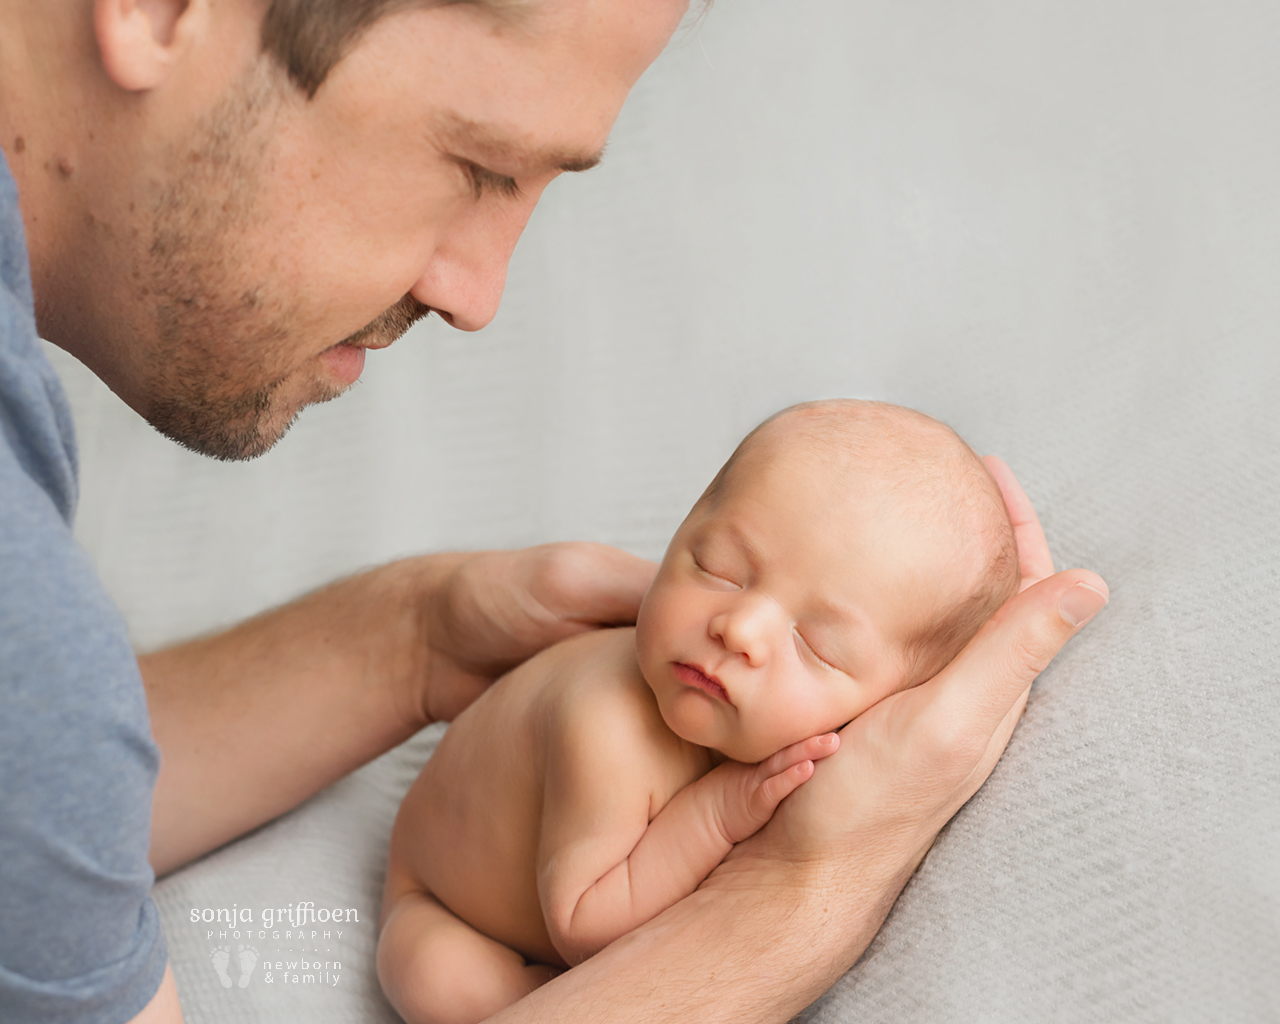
(80, 938)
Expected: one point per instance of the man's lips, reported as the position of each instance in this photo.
(693, 676)
(344, 362)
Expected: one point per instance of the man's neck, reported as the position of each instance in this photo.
(44, 49)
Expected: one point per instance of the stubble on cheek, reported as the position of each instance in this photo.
(220, 382)
(232, 372)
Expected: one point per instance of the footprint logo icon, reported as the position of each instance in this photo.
(221, 956)
(248, 956)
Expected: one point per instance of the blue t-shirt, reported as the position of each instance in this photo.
(80, 938)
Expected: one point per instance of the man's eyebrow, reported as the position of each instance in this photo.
(491, 144)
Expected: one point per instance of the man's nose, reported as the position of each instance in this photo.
(466, 273)
(748, 626)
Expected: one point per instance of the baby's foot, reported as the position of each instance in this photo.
(221, 957)
(248, 961)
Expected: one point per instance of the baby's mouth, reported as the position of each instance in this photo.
(693, 676)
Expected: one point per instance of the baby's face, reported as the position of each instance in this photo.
(784, 605)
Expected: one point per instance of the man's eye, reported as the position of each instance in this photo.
(484, 180)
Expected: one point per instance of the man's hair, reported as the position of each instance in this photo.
(309, 37)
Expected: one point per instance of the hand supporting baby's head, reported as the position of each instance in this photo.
(845, 551)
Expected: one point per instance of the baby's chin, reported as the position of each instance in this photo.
(722, 747)
(692, 716)
(688, 720)
(746, 753)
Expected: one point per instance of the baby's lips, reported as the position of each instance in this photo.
(691, 675)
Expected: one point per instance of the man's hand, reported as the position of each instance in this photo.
(486, 612)
(792, 907)
(254, 720)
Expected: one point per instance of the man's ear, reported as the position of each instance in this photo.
(141, 40)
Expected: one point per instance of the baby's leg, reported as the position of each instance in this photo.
(436, 969)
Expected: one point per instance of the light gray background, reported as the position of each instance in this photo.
(1057, 227)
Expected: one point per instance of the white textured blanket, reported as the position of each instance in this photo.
(1055, 226)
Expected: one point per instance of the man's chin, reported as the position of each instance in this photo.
(229, 431)
(222, 441)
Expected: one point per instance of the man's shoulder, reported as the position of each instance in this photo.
(66, 662)
(79, 935)
(15, 271)
(35, 419)
(37, 438)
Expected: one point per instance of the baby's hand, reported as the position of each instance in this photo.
(744, 796)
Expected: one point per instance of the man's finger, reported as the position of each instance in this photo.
(973, 695)
(1034, 558)
(589, 583)
(1000, 738)
(497, 608)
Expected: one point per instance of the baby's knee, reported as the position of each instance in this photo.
(441, 975)
(411, 973)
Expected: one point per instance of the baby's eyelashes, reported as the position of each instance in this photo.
(718, 577)
(809, 649)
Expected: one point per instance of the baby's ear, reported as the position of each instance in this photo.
(912, 667)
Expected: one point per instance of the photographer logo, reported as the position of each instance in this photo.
(302, 925)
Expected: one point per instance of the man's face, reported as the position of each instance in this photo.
(783, 606)
(276, 238)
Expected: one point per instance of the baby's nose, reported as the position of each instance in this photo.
(749, 627)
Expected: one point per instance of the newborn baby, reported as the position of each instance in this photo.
(846, 550)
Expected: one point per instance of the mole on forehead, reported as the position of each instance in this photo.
(488, 142)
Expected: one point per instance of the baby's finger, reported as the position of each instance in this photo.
(815, 748)
(778, 787)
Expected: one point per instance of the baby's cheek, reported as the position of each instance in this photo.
(645, 616)
(644, 643)
(656, 624)
(800, 712)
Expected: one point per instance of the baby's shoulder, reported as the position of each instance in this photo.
(603, 708)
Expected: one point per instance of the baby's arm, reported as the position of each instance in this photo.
(605, 869)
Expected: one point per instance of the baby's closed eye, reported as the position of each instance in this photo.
(718, 574)
(808, 649)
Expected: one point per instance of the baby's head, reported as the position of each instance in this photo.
(847, 550)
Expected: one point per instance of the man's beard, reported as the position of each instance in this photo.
(220, 338)
(244, 425)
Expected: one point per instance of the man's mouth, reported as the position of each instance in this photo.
(694, 677)
(344, 362)
(389, 325)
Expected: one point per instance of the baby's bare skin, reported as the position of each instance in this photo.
(553, 706)
(560, 845)
(601, 782)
